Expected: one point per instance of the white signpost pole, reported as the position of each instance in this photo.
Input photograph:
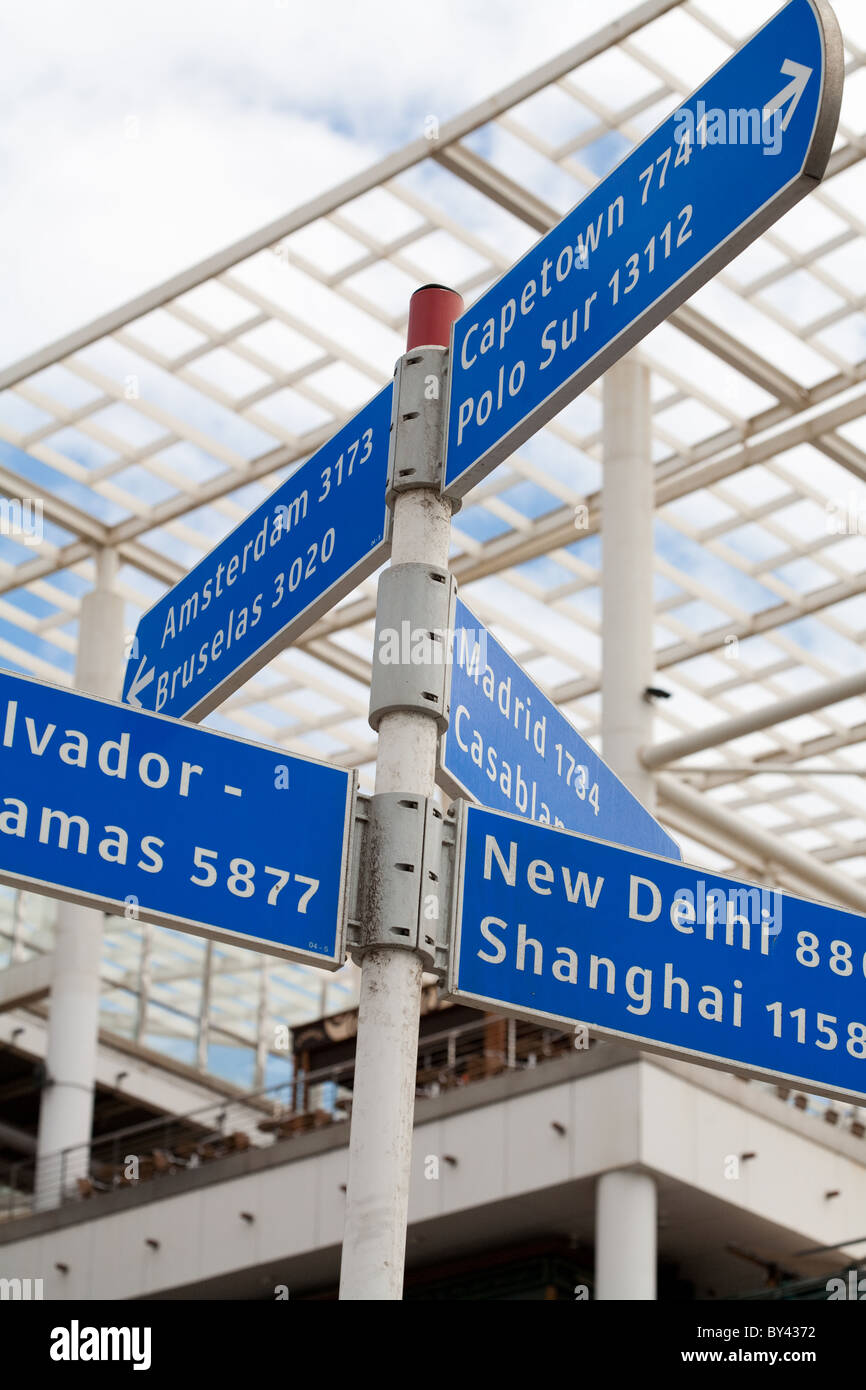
(66, 1109)
(380, 1149)
(625, 1229)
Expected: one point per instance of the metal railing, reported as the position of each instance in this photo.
(136, 1152)
(314, 1099)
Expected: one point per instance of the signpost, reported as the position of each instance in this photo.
(156, 820)
(129, 811)
(322, 532)
(746, 146)
(552, 926)
(508, 746)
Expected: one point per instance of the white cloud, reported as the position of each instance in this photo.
(137, 139)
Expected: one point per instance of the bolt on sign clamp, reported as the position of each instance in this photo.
(412, 655)
(399, 888)
(417, 444)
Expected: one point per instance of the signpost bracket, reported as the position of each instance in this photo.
(399, 893)
(416, 455)
(412, 654)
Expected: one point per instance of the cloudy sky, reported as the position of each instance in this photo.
(136, 138)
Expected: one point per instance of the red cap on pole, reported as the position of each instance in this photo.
(432, 310)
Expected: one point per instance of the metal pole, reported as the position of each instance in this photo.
(380, 1147)
(833, 692)
(625, 1228)
(66, 1110)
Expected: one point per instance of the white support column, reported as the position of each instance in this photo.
(625, 1226)
(627, 575)
(66, 1110)
(625, 1237)
(145, 980)
(262, 1015)
(15, 946)
(203, 1037)
(383, 1106)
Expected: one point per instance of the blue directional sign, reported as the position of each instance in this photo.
(752, 141)
(323, 531)
(550, 925)
(157, 820)
(509, 747)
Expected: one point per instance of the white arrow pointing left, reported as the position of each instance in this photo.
(139, 682)
(792, 93)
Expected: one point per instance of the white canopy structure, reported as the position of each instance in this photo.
(153, 430)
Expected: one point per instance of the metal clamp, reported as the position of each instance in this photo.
(397, 892)
(412, 654)
(417, 443)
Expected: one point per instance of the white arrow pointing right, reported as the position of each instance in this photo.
(139, 682)
(792, 92)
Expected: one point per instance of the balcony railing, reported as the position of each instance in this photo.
(316, 1098)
